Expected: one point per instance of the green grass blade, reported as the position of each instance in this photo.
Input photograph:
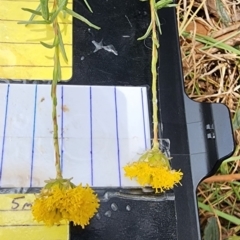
(221, 214)
(221, 41)
(61, 45)
(88, 6)
(32, 11)
(212, 42)
(81, 18)
(147, 32)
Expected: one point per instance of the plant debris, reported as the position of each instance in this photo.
(210, 46)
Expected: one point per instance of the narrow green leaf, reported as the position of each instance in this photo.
(158, 22)
(163, 3)
(32, 11)
(221, 214)
(65, 5)
(33, 22)
(60, 8)
(47, 45)
(32, 16)
(215, 42)
(88, 6)
(147, 32)
(81, 18)
(45, 9)
(212, 42)
(55, 43)
(61, 45)
(211, 231)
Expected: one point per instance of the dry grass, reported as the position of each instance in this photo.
(210, 39)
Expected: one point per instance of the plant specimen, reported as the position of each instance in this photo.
(60, 199)
(153, 167)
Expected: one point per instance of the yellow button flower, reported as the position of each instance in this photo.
(61, 200)
(153, 169)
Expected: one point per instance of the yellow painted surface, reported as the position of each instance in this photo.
(39, 73)
(16, 221)
(21, 54)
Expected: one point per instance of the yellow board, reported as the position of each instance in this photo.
(22, 57)
(16, 221)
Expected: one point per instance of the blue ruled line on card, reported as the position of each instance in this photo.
(4, 131)
(117, 137)
(91, 135)
(62, 119)
(33, 134)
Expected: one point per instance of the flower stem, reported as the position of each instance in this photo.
(56, 78)
(155, 142)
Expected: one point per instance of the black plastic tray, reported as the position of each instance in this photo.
(200, 134)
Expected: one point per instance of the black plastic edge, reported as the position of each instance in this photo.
(173, 119)
(207, 128)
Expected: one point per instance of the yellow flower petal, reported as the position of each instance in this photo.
(54, 204)
(153, 169)
(81, 205)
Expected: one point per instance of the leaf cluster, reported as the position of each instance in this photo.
(50, 17)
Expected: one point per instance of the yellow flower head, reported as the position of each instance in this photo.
(58, 202)
(153, 169)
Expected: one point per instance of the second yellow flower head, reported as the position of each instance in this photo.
(153, 169)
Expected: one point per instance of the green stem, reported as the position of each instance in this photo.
(56, 78)
(155, 142)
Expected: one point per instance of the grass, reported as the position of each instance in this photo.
(210, 47)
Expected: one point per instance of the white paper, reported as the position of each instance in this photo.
(101, 129)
